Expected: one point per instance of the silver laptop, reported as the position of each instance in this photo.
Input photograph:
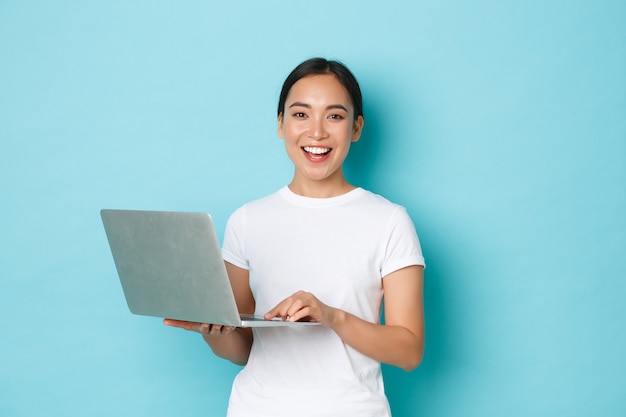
(170, 266)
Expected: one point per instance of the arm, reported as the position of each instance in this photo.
(227, 342)
(399, 342)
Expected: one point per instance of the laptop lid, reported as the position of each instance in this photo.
(170, 266)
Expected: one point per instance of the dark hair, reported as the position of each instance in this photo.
(319, 66)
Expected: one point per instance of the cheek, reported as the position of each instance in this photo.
(345, 131)
(292, 131)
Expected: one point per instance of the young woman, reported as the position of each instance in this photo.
(323, 250)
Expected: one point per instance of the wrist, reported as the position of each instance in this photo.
(338, 319)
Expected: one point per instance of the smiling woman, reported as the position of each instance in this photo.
(318, 127)
(320, 249)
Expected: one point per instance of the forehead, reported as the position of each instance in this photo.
(322, 87)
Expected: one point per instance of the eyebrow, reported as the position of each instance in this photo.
(330, 107)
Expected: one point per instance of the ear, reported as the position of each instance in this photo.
(357, 129)
(281, 133)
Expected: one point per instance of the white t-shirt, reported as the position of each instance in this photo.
(339, 249)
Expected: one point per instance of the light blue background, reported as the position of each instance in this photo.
(501, 126)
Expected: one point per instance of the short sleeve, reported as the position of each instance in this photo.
(233, 248)
(402, 244)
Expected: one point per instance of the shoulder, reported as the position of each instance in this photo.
(377, 202)
(258, 206)
(392, 217)
(266, 201)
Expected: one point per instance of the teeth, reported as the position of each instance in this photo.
(316, 150)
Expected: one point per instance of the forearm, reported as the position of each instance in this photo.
(393, 345)
(234, 346)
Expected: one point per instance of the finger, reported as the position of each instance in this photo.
(303, 313)
(207, 329)
(216, 330)
(272, 314)
(290, 305)
(203, 328)
(296, 307)
(280, 310)
(187, 325)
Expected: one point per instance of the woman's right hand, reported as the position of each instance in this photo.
(235, 347)
(205, 329)
(228, 342)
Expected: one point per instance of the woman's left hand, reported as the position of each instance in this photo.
(303, 306)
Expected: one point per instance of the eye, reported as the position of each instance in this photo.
(336, 116)
(299, 115)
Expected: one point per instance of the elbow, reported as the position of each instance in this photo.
(239, 361)
(413, 358)
(412, 363)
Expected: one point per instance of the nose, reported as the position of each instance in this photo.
(317, 130)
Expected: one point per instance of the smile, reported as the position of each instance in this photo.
(316, 153)
(315, 150)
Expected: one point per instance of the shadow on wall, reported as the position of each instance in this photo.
(416, 390)
(361, 164)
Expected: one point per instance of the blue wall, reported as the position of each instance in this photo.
(501, 126)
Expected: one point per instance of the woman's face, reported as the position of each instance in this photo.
(318, 127)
